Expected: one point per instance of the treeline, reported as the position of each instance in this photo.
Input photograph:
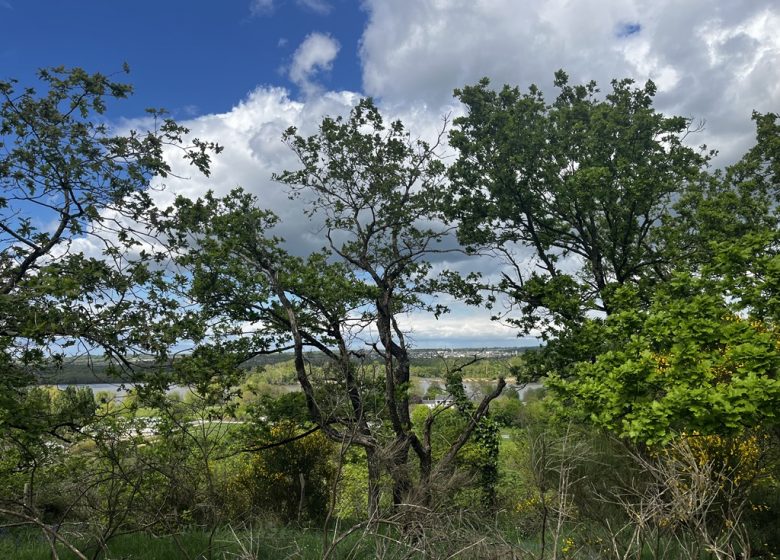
(273, 368)
(651, 277)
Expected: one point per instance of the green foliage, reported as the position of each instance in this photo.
(691, 362)
(588, 185)
(654, 282)
(60, 164)
(581, 177)
(262, 540)
(364, 171)
(64, 177)
(507, 410)
(684, 336)
(704, 355)
(292, 481)
(378, 194)
(477, 459)
(352, 488)
(485, 368)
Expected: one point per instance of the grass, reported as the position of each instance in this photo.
(30, 545)
(269, 542)
(266, 542)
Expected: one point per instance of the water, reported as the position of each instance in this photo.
(119, 390)
(474, 388)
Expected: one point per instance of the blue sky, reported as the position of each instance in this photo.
(190, 56)
(241, 71)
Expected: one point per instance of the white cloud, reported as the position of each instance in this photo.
(466, 328)
(261, 7)
(315, 54)
(711, 60)
(319, 6)
(714, 61)
(266, 7)
(251, 134)
(424, 48)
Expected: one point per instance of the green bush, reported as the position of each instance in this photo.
(291, 481)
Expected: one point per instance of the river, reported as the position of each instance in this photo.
(119, 390)
(474, 387)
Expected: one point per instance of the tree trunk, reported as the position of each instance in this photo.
(400, 473)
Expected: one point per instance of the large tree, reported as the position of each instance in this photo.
(71, 192)
(572, 194)
(377, 194)
(652, 278)
(704, 356)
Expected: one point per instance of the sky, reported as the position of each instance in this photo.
(239, 72)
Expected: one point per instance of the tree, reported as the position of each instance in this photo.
(67, 183)
(653, 280)
(378, 195)
(573, 196)
(703, 357)
(692, 362)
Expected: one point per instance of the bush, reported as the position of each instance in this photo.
(291, 481)
(507, 410)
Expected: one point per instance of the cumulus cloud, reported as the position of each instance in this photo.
(464, 328)
(712, 61)
(261, 7)
(251, 134)
(423, 49)
(314, 55)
